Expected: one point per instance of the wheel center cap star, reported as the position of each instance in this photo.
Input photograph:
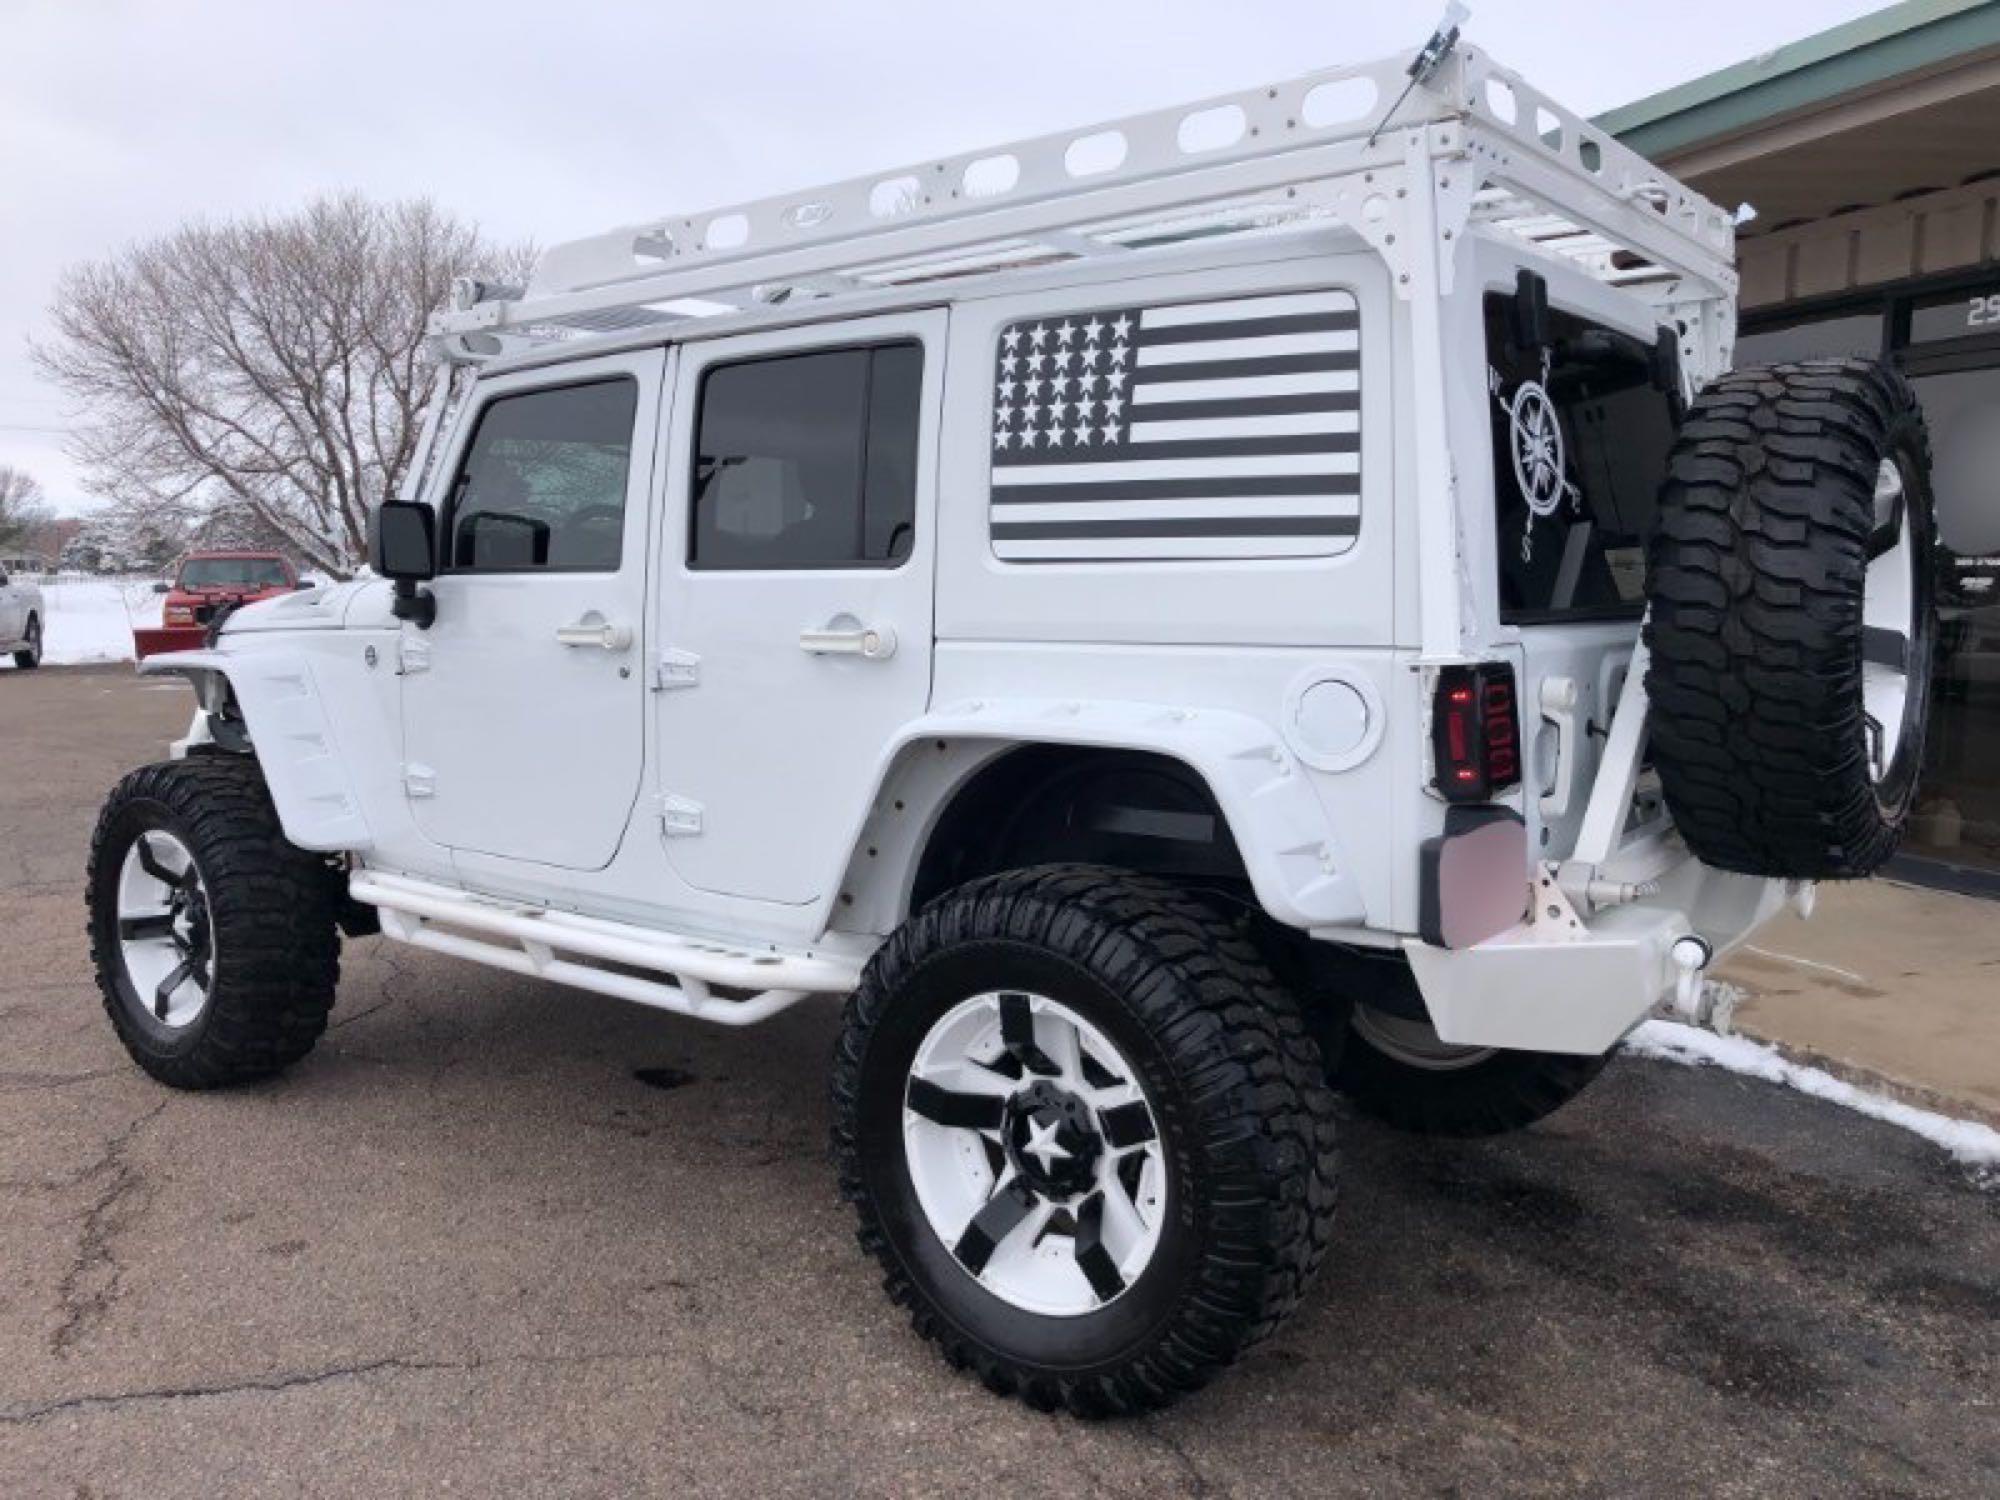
(1043, 1145)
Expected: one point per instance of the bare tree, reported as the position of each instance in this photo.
(272, 368)
(22, 509)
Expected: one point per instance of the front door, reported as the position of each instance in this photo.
(795, 604)
(524, 704)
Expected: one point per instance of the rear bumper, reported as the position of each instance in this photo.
(1551, 988)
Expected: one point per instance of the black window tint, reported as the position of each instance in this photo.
(1572, 539)
(543, 482)
(808, 460)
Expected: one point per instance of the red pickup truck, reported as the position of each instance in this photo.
(207, 582)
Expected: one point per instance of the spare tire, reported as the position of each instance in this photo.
(1791, 627)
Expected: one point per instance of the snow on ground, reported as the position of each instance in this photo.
(91, 619)
(1971, 1142)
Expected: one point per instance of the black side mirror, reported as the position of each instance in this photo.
(304, 583)
(404, 549)
(163, 587)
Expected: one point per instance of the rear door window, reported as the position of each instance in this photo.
(808, 460)
(1581, 431)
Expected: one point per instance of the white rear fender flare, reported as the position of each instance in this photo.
(292, 737)
(1289, 846)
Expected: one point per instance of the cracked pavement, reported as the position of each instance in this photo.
(465, 1245)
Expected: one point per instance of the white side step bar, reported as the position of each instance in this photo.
(555, 945)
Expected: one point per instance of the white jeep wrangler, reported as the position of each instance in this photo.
(1152, 615)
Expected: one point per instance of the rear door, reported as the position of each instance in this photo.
(795, 598)
(524, 704)
(1581, 422)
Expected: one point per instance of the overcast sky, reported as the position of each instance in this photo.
(119, 119)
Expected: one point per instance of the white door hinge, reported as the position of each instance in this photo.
(419, 780)
(679, 816)
(676, 669)
(413, 655)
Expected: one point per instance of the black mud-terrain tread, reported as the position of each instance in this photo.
(1265, 1138)
(28, 658)
(1507, 1091)
(1755, 584)
(272, 903)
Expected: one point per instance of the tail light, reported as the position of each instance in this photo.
(1475, 732)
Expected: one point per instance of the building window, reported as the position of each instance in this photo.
(1850, 333)
(808, 460)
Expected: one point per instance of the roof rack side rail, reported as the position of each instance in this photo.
(1293, 152)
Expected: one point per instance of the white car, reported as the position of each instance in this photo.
(1151, 615)
(22, 618)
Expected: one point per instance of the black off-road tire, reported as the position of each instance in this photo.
(29, 656)
(271, 906)
(1492, 1094)
(1244, 1116)
(1755, 578)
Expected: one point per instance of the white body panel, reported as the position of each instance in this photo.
(773, 745)
(516, 744)
(1343, 600)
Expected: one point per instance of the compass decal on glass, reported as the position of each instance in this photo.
(1538, 448)
(1536, 440)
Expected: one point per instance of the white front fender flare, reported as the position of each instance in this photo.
(294, 741)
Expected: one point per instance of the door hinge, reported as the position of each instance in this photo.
(418, 780)
(680, 817)
(675, 668)
(413, 655)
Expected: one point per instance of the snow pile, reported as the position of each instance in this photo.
(1971, 1142)
(88, 620)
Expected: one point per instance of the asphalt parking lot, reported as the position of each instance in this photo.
(496, 1237)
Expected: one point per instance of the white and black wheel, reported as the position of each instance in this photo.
(1791, 627)
(29, 656)
(213, 938)
(1086, 1136)
(1397, 1069)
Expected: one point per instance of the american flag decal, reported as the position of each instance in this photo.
(1200, 430)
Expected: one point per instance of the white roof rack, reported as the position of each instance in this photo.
(1474, 144)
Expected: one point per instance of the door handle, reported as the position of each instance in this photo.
(846, 636)
(593, 630)
(1558, 703)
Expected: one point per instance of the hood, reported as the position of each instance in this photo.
(308, 609)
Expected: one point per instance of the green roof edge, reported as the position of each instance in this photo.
(1868, 50)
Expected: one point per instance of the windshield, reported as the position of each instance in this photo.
(1580, 439)
(233, 573)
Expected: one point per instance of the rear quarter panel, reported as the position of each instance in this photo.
(1344, 599)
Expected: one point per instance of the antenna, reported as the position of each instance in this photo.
(1430, 57)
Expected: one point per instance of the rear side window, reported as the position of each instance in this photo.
(808, 460)
(542, 486)
(1581, 432)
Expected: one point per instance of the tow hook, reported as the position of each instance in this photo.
(1804, 896)
(1691, 955)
